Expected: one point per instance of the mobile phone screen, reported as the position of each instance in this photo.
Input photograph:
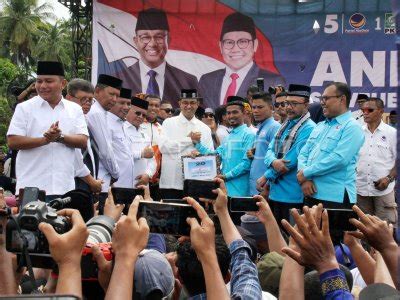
(243, 204)
(339, 219)
(167, 218)
(125, 195)
(200, 189)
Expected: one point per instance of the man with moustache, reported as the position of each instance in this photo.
(121, 147)
(152, 74)
(327, 162)
(106, 92)
(376, 167)
(235, 163)
(281, 158)
(140, 144)
(280, 106)
(238, 44)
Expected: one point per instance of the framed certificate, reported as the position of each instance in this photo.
(202, 167)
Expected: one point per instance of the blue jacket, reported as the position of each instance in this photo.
(285, 188)
(235, 164)
(330, 155)
(266, 132)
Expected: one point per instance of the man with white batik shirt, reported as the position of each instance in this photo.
(143, 154)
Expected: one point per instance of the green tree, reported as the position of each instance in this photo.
(8, 71)
(54, 43)
(5, 117)
(18, 26)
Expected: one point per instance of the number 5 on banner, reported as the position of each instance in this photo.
(331, 24)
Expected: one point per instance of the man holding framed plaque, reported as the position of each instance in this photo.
(176, 142)
(235, 163)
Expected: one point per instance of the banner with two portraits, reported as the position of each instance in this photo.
(163, 46)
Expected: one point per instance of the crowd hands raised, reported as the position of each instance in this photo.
(203, 266)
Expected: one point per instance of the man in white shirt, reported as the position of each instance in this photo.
(376, 169)
(358, 114)
(46, 130)
(106, 93)
(116, 118)
(153, 130)
(143, 154)
(176, 142)
(81, 92)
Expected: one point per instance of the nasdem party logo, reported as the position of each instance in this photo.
(357, 20)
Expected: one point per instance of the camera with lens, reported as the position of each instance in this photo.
(22, 231)
(274, 90)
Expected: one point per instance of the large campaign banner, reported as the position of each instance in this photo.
(161, 47)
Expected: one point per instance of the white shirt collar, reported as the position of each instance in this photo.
(144, 69)
(183, 119)
(42, 101)
(380, 127)
(242, 72)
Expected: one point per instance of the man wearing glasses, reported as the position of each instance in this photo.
(176, 141)
(281, 157)
(327, 162)
(238, 44)
(280, 106)
(166, 111)
(81, 92)
(140, 145)
(152, 74)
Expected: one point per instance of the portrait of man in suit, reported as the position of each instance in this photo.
(238, 45)
(151, 74)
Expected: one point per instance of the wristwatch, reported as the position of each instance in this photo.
(60, 139)
(391, 178)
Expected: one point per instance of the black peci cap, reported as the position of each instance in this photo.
(189, 94)
(299, 90)
(362, 97)
(125, 93)
(135, 101)
(110, 81)
(238, 22)
(152, 19)
(50, 68)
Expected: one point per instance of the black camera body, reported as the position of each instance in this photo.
(26, 224)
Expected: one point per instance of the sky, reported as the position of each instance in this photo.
(59, 10)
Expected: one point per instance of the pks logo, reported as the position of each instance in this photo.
(357, 21)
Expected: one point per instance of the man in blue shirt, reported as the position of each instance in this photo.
(327, 162)
(281, 158)
(267, 128)
(235, 163)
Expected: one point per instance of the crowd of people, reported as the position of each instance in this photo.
(297, 160)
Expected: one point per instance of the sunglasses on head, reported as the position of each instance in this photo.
(277, 104)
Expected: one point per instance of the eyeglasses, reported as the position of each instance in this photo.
(168, 110)
(293, 104)
(277, 104)
(208, 115)
(368, 110)
(241, 43)
(139, 113)
(159, 39)
(85, 100)
(323, 99)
